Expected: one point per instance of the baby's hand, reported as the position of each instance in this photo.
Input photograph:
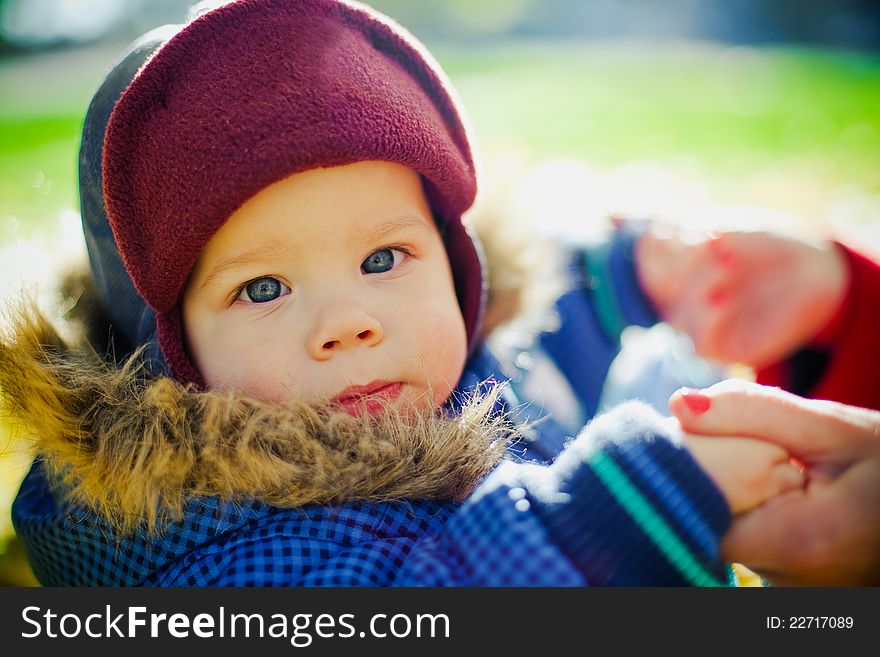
(748, 472)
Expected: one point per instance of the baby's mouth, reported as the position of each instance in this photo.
(371, 398)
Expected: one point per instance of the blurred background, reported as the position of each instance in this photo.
(755, 111)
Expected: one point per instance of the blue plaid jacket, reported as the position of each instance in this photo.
(622, 505)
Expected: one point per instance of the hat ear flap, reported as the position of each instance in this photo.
(131, 318)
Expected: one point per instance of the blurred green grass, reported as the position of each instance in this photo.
(726, 113)
(783, 127)
(729, 108)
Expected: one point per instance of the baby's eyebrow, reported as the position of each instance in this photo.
(382, 230)
(249, 257)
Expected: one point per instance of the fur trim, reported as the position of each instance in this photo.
(134, 449)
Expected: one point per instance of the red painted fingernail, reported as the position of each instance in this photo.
(696, 401)
(718, 296)
(721, 255)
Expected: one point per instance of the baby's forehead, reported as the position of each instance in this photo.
(362, 196)
(291, 221)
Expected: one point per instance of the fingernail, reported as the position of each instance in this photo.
(718, 296)
(696, 401)
(722, 255)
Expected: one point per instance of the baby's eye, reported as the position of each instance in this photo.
(382, 260)
(262, 290)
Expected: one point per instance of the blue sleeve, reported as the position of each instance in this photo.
(603, 298)
(495, 539)
(613, 282)
(623, 505)
(630, 506)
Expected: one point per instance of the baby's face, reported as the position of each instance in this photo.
(332, 284)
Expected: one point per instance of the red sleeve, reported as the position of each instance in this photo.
(852, 372)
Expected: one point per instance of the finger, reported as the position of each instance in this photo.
(699, 299)
(784, 477)
(748, 472)
(713, 307)
(760, 328)
(730, 328)
(772, 537)
(741, 248)
(827, 534)
(780, 479)
(806, 428)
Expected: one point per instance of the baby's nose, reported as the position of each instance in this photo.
(367, 337)
(344, 328)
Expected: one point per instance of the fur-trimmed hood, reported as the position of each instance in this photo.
(134, 449)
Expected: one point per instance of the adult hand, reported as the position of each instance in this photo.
(827, 533)
(747, 297)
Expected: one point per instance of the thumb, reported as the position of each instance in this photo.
(824, 534)
(771, 539)
(811, 429)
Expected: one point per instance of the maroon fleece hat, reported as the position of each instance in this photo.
(252, 92)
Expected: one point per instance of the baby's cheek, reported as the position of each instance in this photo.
(263, 388)
(250, 372)
(443, 343)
